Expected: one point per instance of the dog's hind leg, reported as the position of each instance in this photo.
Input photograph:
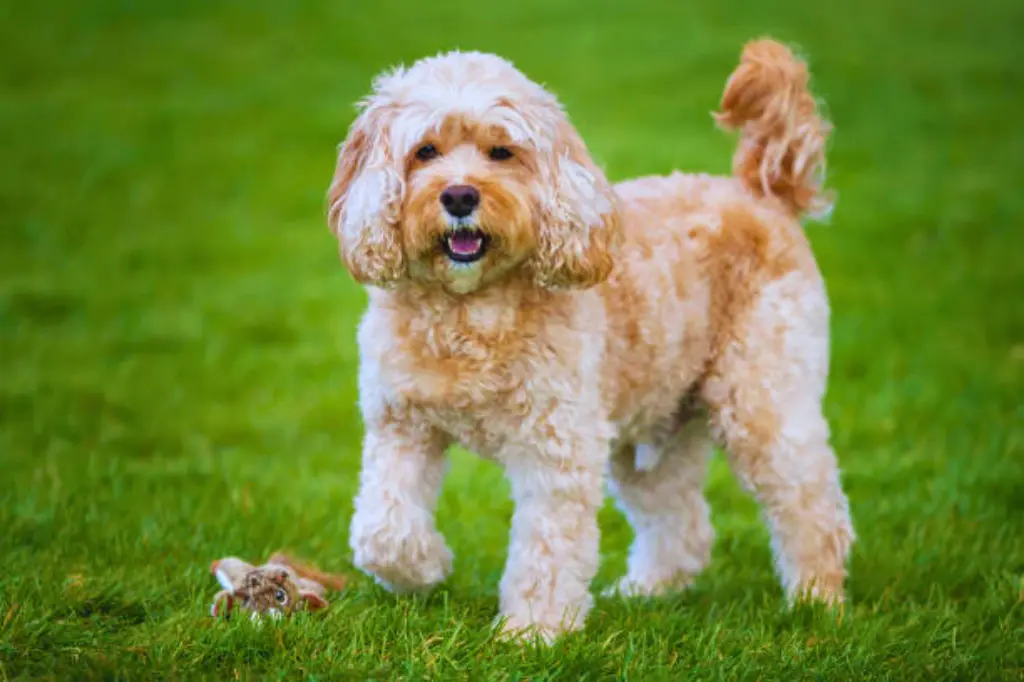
(660, 488)
(765, 391)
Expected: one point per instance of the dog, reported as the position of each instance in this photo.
(581, 333)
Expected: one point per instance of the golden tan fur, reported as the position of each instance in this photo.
(782, 146)
(617, 329)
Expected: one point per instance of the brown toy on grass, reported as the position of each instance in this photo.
(278, 588)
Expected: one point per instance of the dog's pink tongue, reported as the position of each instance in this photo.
(464, 243)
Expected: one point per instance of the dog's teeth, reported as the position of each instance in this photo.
(464, 244)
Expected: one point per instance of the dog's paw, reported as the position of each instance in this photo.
(632, 587)
(522, 631)
(404, 563)
(828, 592)
(626, 588)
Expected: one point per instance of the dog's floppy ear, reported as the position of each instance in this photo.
(365, 200)
(579, 223)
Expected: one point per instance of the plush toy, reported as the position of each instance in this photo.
(278, 588)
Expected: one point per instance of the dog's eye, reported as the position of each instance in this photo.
(280, 596)
(427, 152)
(500, 153)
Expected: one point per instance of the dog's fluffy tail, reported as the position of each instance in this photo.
(781, 151)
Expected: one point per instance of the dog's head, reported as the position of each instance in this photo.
(460, 171)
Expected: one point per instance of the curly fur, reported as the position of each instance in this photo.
(608, 334)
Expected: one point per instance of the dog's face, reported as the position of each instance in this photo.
(468, 212)
(460, 171)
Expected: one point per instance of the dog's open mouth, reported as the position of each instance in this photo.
(465, 244)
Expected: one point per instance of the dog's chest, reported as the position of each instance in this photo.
(476, 395)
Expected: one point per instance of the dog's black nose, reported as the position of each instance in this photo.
(460, 200)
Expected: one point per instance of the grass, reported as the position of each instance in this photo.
(177, 378)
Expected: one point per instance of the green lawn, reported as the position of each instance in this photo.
(178, 358)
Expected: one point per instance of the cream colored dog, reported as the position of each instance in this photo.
(525, 308)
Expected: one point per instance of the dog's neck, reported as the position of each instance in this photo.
(510, 309)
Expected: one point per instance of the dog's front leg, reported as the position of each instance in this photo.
(393, 536)
(553, 552)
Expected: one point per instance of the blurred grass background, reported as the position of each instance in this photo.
(177, 336)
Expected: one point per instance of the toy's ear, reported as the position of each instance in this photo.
(223, 602)
(276, 575)
(230, 572)
(314, 602)
(365, 200)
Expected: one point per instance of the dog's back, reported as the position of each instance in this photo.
(698, 247)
